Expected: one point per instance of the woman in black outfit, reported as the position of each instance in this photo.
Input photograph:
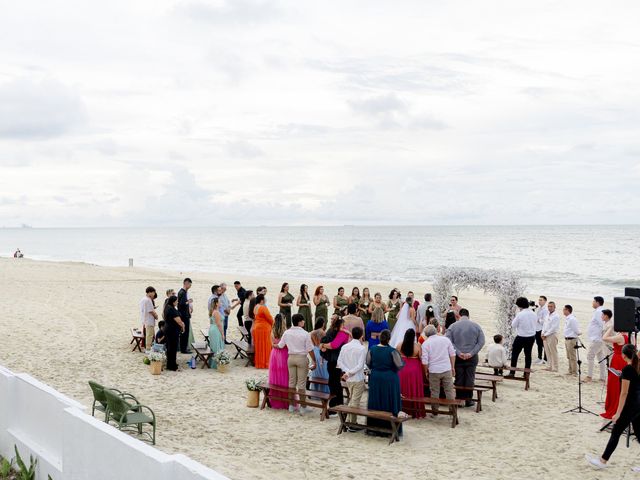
(174, 326)
(628, 406)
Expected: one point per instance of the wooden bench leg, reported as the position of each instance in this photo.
(494, 387)
(265, 391)
(526, 380)
(479, 404)
(325, 410)
(394, 433)
(343, 418)
(454, 415)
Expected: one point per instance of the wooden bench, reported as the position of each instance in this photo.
(344, 410)
(310, 398)
(244, 333)
(525, 378)
(434, 403)
(244, 350)
(324, 381)
(205, 334)
(477, 389)
(492, 380)
(204, 354)
(138, 337)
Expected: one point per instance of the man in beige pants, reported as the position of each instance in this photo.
(550, 329)
(438, 359)
(351, 361)
(298, 341)
(571, 334)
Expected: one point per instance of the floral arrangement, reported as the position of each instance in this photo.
(506, 286)
(222, 358)
(156, 356)
(253, 384)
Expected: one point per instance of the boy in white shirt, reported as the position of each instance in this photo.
(497, 355)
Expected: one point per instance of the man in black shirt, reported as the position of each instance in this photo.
(184, 308)
(242, 294)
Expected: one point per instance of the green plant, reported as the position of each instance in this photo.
(222, 358)
(253, 384)
(5, 468)
(25, 473)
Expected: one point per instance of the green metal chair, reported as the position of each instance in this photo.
(100, 400)
(126, 414)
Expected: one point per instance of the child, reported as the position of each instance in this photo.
(161, 338)
(497, 355)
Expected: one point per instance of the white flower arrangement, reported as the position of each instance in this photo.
(222, 358)
(254, 384)
(506, 286)
(156, 356)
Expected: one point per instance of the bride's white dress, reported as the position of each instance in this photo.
(403, 324)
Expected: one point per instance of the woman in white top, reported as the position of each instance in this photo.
(524, 324)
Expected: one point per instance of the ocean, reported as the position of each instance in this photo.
(572, 261)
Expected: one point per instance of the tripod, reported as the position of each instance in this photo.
(604, 386)
(579, 408)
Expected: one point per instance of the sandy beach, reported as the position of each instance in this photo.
(67, 323)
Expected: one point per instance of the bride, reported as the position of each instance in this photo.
(406, 320)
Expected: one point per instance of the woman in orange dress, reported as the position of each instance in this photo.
(262, 326)
(618, 340)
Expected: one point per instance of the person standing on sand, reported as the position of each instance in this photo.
(351, 320)
(541, 314)
(571, 334)
(525, 325)
(174, 326)
(595, 330)
(148, 316)
(549, 335)
(225, 309)
(184, 308)
(242, 293)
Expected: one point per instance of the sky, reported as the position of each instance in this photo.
(254, 112)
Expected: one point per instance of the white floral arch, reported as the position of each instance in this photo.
(506, 286)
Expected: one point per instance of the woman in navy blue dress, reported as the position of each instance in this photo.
(384, 362)
(375, 326)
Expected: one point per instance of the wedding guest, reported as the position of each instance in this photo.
(262, 291)
(355, 296)
(332, 342)
(421, 311)
(340, 303)
(242, 295)
(497, 355)
(438, 357)
(161, 335)
(414, 303)
(322, 366)
(549, 335)
(285, 300)
(618, 340)
(262, 333)
(247, 311)
(411, 381)
(351, 320)
(525, 325)
(304, 307)
(628, 411)
(175, 326)
(450, 319)
(596, 346)
(225, 308)
(384, 362)
(468, 339)
(351, 362)
(378, 303)
(571, 334)
(148, 316)
(216, 331)
(278, 366)
(184, 307)
(541, 316)
(375, 326)
(393, 307)
(321, 301)
(363, 306)
(454, 306)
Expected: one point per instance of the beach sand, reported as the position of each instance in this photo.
(67, 323)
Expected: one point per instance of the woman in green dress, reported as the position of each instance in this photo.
(285, 300)
(340, 303)
(321, 301)
(216, 331)
(355, 297)
(363, 306)
(393, 307)
(304, 307)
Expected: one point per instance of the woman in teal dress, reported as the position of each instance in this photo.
(340, 303)
(216, 332)
(321, 301)
(363, 305)
(285, 300)
(304, 307)
(393, 307)
(384, 362)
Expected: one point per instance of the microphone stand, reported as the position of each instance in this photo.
(604, 386)
(579, 408)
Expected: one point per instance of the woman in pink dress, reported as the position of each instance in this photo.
(278, 368)
(411, 376)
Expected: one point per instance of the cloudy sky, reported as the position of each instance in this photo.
(290, 112)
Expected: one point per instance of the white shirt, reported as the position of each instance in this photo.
(571, 327)
(542, 314)
(594, 330)
(437, 352)
(146, 307)
(525, 323)
(297, 340)
(551, 324)
(351, 360)
(497, 356)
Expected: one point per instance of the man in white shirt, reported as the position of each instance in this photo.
(571, 334)
(421, 313)
(524, 324)
(596, 345)
(148, 316)
(542, 314)
(438, 358)
(351, 361)
(550, 330)
(298, 341)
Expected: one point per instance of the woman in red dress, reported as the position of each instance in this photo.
(618, 340)
(411, 375)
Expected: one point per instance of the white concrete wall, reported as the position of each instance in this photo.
(71, 445)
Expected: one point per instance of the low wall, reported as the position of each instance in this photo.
(71, 445)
